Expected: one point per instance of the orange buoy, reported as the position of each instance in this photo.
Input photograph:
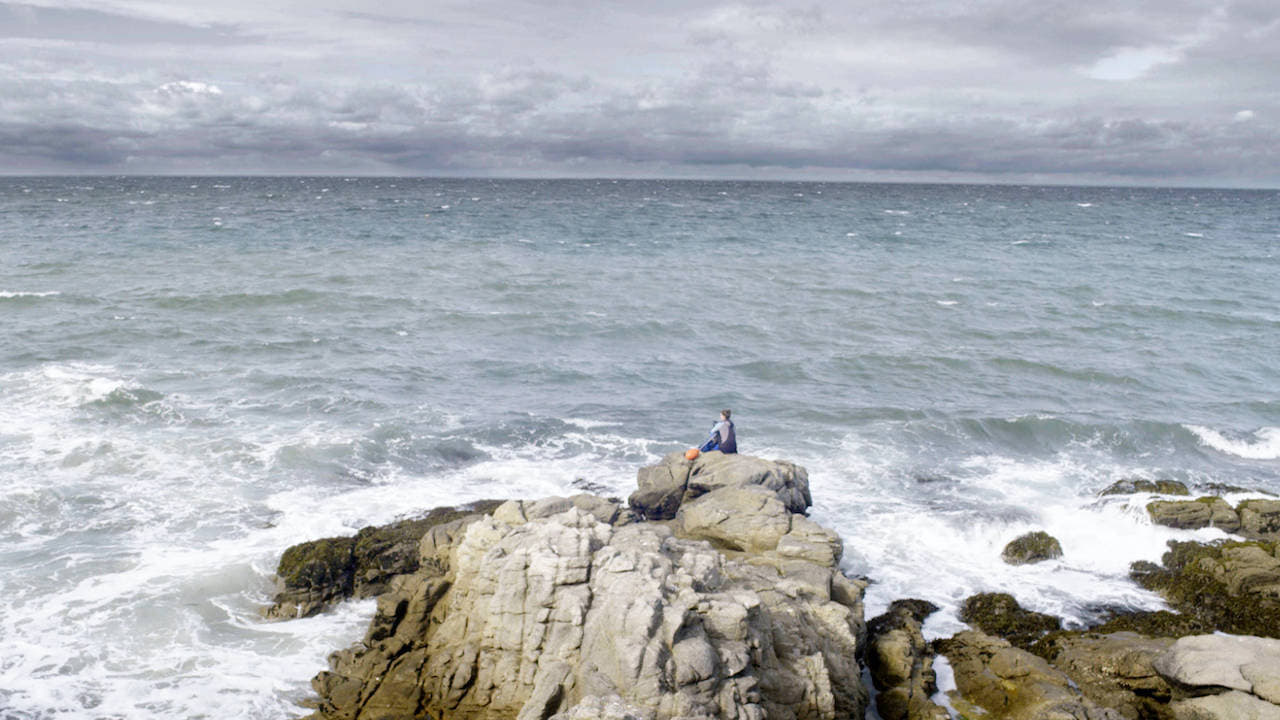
(691, 454)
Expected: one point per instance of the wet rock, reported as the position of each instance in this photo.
(314, 575)
(1193, 514)
(901, 663)
(1229, 586)
(998, 681)
(1259, 518)
(1114, 670)
(1032, 548)
(1000, 615)
(1140, 485)
(1158, 624)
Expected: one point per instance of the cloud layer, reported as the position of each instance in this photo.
(1178, 91)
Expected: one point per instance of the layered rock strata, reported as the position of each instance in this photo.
(566, 608)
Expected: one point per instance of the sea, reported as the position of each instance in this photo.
(198, 372)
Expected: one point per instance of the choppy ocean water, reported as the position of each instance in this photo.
(196, 373)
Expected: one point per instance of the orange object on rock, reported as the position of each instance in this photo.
(691, 454)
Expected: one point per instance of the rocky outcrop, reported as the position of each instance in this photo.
(998, 681)
(1114, 670)
(1256, 519)
(1032, 548)
(314, 575)
(1000, 615)
(665, 487)
(574, 608)
(1221, 677)
(1193, 514)
(901, 663)
(1229, 586)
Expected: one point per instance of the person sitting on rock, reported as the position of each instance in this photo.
(722, 436)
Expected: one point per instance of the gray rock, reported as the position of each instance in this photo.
(1193, 514)
(1248, 664)
(1259, 518)
(1225, 706)
(662, 488)
(566, 616)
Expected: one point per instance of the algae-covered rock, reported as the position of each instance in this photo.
(997, 681)
(1032, 548)
(1158, 623)
(901, 663)
(1194, 514)
(1000, 615)
(314, 575)
(1259, 518)
(1114, 670)
(1230, 586)
(1140, 485)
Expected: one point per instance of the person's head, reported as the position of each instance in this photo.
(724, 414)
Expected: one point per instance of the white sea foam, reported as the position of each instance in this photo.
(947, 303)
(24, 294)
(944, 543)
(1261, 444)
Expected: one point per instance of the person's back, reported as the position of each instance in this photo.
(723, 437)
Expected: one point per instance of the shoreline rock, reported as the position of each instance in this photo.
(733, 607)
(712, 595)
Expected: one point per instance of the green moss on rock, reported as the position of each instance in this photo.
(1138, 485)
(1000, 615)
(1032, 548)
(1229, 586)
(318, 564)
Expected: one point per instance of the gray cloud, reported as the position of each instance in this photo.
(1001, 89)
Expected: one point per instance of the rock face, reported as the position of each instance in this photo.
(1258, 519)
(901, 663)
(1007, 683)
(1192, 514)
(1032, 548)
(572, 608)
(1114, 670)
(1221, 677)
(314, 575)
(664, 487)
(1231, 586)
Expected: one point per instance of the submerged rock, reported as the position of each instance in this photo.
(1032, 548)
(1229, 586)
(574, 609)
(314, 575)
(1140, 485)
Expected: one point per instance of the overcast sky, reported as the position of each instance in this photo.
(1154, 92)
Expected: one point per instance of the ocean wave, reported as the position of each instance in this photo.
(1261, 444)
(16, 294)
